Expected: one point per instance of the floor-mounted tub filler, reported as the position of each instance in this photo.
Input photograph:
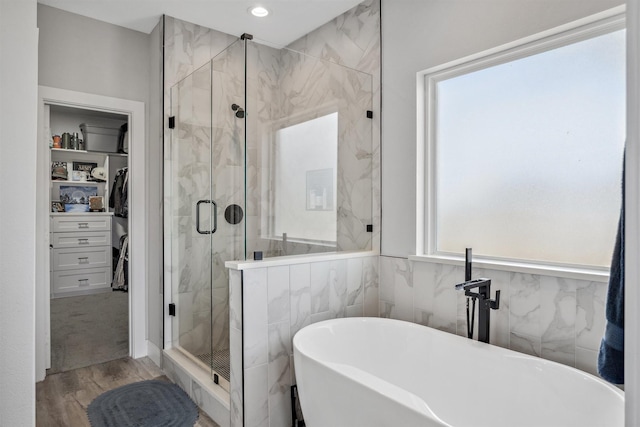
(373, 372)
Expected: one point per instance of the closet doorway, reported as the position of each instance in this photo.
(87, 312)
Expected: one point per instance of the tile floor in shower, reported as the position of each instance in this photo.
(218, 361)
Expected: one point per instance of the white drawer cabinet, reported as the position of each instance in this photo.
(80, 254)
(80, 282)
(81, 239)
(81, 223)
(81, 258)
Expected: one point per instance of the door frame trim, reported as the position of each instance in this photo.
(138, 211)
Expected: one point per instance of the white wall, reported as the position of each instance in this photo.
(86, 55)
(419, 34)
(18, 124)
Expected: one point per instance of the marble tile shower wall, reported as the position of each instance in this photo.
(353, 41)
(188, 47)
(263, 74)
(276, 303)
(285, 88)
(191, 139)
(227, 181)
(310, 85)
(554, 318)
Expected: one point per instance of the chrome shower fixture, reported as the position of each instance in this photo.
(239, 111)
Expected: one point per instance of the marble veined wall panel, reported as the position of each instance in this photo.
(262, 109)
(294, 88)
(276, 303)
(554, 318)
(353, 40)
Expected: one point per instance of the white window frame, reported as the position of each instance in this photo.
(426, 249)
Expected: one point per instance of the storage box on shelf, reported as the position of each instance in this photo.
(100, 138)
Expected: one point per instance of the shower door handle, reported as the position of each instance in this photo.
(215, 217)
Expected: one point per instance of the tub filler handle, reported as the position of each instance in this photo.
(483, 295)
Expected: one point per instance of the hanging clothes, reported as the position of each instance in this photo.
(118, 200)
(120, 277)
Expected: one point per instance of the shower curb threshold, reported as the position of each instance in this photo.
(195, 380)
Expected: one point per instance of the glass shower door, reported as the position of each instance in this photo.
(207, 199)
(193, 219)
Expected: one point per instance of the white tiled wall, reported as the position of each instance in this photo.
(236, 392)
(554, 318)
(276, 303)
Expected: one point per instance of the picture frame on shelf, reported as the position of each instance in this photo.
(59, 171)
(77, 195)
(83, 170)
(96, 204)
(79, 176)
(57, 206)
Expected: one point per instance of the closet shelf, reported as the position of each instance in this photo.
(64, 181)
(81, 214)
(88, 153)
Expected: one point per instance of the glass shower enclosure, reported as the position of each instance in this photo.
(271, 151)
(207, 196)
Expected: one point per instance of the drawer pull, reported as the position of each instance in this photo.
(83, 241)
(83, 282)
(83, 225)
(83, 260)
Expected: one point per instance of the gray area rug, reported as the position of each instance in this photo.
(143, 404)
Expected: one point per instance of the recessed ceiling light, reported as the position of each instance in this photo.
(259, 11)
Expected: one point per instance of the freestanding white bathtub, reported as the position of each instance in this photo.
(368, 372)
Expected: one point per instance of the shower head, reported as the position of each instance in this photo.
(239, 111)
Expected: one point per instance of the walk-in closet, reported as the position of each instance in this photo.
(88, 234)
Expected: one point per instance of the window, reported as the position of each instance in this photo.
(524, 150)
(305, 180)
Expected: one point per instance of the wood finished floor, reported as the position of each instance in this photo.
(62, 398)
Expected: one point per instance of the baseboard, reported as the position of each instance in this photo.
(154, 353)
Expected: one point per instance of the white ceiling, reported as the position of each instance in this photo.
(288, 19)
